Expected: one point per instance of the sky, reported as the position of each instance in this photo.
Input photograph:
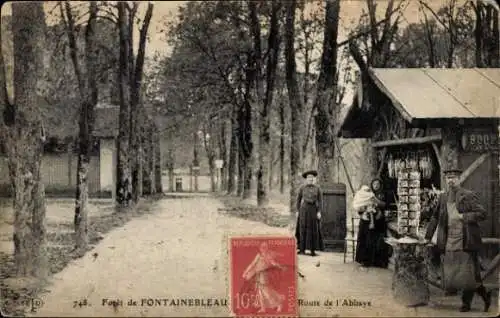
(165, 10)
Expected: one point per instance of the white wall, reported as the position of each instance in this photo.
(108, 166)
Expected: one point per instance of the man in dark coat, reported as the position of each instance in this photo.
(456, 222)
(309, 204)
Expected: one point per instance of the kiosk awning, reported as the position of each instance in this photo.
(434, 94)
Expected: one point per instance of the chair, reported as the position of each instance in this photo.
(351, 238)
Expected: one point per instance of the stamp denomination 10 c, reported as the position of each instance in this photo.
(263, 276)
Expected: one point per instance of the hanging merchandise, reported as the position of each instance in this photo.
(421, 163)
(428, 166)
(390, 167)
(412, 161)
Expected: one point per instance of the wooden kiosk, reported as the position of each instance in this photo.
(431, 120)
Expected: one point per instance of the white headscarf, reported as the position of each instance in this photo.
(363, 197)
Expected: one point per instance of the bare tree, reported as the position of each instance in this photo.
(124, 177)
(486, 34)
(136, 108)
(264, 95)
(233, 150)
(380, 35)
(208, 143)
(86, 76)
(295, 102)
(223, 153)
(450, 16)
(282, 146)
(325, 102)
(310, 26)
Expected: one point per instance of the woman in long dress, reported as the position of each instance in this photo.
(371, 249)
(309, 204)
(258, 271)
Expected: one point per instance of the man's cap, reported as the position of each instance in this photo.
(310, 172)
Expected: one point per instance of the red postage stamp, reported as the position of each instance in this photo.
(263, 276)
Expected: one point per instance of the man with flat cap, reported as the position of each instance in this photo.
(454, 227)
(309, 203)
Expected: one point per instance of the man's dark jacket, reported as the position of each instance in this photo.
(467, 203)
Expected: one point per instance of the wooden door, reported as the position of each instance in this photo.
(333, 219)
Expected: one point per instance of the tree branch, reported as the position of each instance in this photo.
(139, 64)
(372, 12)
(367, 32)
(70, 29)
(91, 54)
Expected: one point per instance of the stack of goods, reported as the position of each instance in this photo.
(409, 201)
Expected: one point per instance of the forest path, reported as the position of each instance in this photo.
(179, 252)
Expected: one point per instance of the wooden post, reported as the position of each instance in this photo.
(450, 147)
(196, 180)
(190, 178)
(113, 167)
(70, 170)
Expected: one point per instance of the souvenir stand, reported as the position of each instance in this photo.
(409, 171)
(412, 141)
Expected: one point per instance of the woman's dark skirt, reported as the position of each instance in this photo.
(308, 229)
(371, 249)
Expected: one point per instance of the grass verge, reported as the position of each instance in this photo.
(235, 206)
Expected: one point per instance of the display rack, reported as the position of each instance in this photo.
(409, 201)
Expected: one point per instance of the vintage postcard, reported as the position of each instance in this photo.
(280, 158)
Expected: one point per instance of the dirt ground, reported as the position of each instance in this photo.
(15, 293)
(179, 251)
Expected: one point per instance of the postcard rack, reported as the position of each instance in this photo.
(408, 201)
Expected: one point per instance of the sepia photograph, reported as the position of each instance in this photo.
(250, 158)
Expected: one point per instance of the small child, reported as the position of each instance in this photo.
(365, 203)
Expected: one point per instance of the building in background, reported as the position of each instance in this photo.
(59, 162)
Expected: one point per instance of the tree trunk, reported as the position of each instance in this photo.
(246, 144)
(271, 168)
(241, 168)
(135, 105)
(478, 34)
(495, 40)
(25, 153)
(210, 151)
(157, 162)
(267, 100)
(87, 86)
(262, 117)
(282, 147)
(152, 162)
(233, 151)
(70, 163)
(196, 162)
(211, 168)
(248, 151)
(326, 96)
(150, 159)
(140, 161)
(170, 167)
(223, 155)
(124, 178)
(296, 107)
(148, 166)
(486, 36)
